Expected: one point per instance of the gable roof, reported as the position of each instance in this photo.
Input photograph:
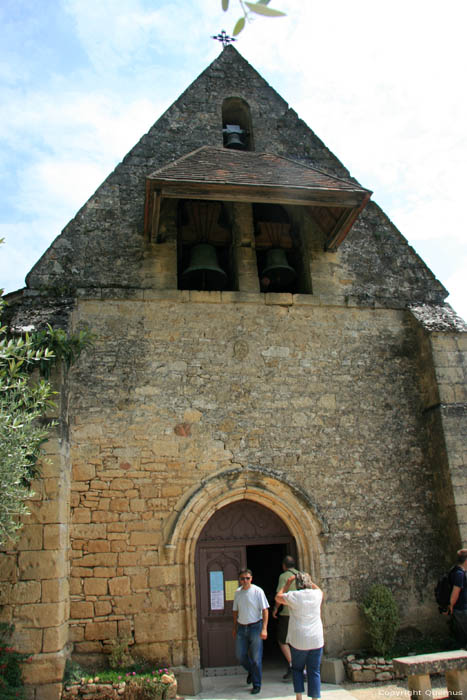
(212, 172)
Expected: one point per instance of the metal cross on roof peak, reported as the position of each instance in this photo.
(224, 38)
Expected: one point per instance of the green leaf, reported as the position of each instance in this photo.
(264, 2)
(225, 5)
(263, 10)
(239, 26)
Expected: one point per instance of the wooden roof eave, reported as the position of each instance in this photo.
(344, 224)
(355, 200)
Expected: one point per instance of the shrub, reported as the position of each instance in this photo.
(119, 656)
(11, 680)
(381, 612)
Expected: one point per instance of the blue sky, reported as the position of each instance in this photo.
(381, 83)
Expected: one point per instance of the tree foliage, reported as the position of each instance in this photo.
(261, 7)
(24, 402)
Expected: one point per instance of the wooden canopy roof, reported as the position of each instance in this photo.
(244, 176)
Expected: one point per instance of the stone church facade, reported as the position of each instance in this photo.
(274, 371)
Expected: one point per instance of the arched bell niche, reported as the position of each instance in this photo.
(237, 127)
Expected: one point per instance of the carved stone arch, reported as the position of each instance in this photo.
(288, 501)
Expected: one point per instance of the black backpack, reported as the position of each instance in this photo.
(443, 590)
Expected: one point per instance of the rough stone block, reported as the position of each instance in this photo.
(83, 472)
(8, 567)
(40, 565)
(55, 638)
(332, 670)
(95, 586)
(30, 537)
(51, 691)
(44, 669)
(100, 630)
(81, 609)
(102, 608)
(130, 604)
(55, 511)
(26, 592)
(27, 640)
(119, 586)
(42, 615)
(188, 680)
(145, 538)
(55, 536)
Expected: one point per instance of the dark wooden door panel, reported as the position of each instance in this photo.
(218, 569)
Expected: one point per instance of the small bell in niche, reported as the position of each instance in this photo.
(277, 274)
(204, 272)
(234, 137)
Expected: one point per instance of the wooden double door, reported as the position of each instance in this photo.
(242, 534)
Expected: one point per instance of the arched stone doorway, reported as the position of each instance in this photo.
(182, 530)
(240, 534)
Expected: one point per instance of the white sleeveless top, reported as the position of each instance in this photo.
(305, 626)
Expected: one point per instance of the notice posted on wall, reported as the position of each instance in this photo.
(216, 581)
(230, 588)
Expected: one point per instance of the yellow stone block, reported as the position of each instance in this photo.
(135, 603)
(55, 590)
(44, 669)
(83, 472)
(55, 536)
(50, 691)
(119, 585)
(145, 538)
(81, 610)
(158, 628)
(95, 586)
(102, 608)
(55, 638)
(100, 630)
(42, 615)
(7, 567)
(41, 565)
(27, 640)
(26, 592)
(30, 537)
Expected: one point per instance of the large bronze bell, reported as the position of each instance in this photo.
(277, 274)
(204, 272)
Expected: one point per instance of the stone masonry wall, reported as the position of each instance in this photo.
(180, 389)
(442, 363)
(34, 589)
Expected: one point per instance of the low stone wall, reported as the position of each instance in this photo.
(96, 690)
(369, 670)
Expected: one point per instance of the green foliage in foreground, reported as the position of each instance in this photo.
(24, 402)
(251, 8)
(382, 616)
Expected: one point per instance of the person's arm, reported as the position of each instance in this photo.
(454, 597)
(264, 631)
(276, 607)
(280, 600)
(234, 629)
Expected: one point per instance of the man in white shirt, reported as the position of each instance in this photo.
(250, 627)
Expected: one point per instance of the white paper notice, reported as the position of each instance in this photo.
(216, 581)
